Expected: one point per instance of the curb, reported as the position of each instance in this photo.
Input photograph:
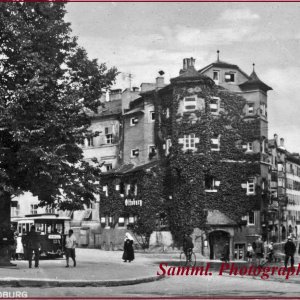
(23, 282)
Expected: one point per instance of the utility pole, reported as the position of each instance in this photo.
(129, 76)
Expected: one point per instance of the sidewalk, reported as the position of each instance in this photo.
(94, 268)
(101, 268)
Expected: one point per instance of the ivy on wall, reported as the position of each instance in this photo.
(188, 202)
(149, 189)
(176, 185)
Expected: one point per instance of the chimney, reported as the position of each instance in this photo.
(115, 94)
(282, 142)
(184, 64)
(160, 82)
(135, 89)
(276, 138)
(187, 63)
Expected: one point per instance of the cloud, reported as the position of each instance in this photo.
(239, 15)
(212, 36)
(283, 104)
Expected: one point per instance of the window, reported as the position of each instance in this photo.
(135, 152)
(250, 218)
(214, 105)
(216, 76)
(108, 135)
(167, 113)
(108, 167)
(189, 141)
(190, 103)
(250, 146)
(152, 116)
(128, 188)
(152, 151)
(90, 141)
(215, 143)
(121, 222)
(168, 145)
(105, 190)
(33, 209)
(263, 146)
(250, 186)
(263, 109)
(250, 108)
(229, 77)
(49, 210)
(133, 121)
(211, 183)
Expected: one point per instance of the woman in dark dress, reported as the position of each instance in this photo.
(128, 248)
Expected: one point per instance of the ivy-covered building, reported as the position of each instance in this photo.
(213, 140)
(207, 172)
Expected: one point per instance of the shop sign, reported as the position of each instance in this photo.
(133, 202)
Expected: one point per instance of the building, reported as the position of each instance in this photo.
(291, 216)
(203, 126)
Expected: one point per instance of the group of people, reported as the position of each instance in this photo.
(31, 247)
(257, 249)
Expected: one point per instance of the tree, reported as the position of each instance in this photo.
(48, 87)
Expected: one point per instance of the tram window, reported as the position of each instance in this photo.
(39, 227)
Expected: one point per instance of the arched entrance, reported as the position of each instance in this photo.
(217, 241)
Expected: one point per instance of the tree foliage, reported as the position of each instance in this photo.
(48, 86)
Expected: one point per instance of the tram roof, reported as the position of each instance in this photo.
(42, 217)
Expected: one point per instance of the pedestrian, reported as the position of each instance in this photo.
(19, 248)
(187, 246)
(13, 246)
(128, 248)
(249, 253)
(270, 254)
(32, 244)
(225, 253)
(70, 248)
(259, 250)
(289, 250)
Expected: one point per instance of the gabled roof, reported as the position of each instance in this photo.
(109, 108)
(191, 75)
(254, 82)
(129, 168)
(223, 64)
(134, 111)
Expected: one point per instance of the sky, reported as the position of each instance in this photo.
(144, 38)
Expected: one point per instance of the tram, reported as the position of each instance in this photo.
(51, 229)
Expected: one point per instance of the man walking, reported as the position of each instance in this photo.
(259, 250)
(70, 248)
(33, 246)
(289, 250)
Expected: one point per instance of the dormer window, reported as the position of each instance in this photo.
(229, 77)
(190, 103)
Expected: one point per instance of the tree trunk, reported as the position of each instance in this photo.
(6, 234)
